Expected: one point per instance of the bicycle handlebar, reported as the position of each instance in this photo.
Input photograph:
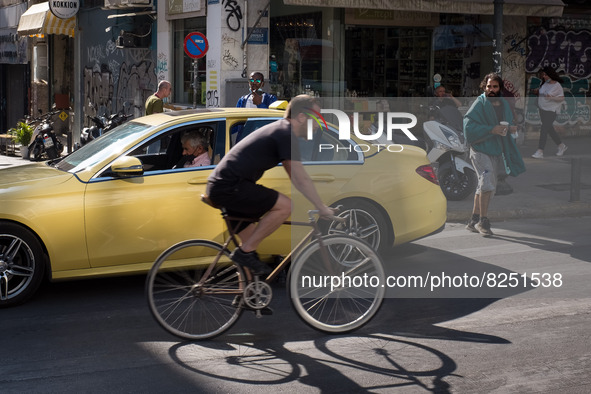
(313, 212)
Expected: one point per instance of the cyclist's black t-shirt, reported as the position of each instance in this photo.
(258, 152)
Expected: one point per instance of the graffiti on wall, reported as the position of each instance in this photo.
(233, 14)
(574, 108)
(569, 52)
(566, 51)
(98, 92)
(134, 83)
(162, 66)
(212, 95)
(513, 64)
(514, 59)
(116, 79)
(230, 60)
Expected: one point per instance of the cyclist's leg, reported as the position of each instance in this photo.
(252, 236)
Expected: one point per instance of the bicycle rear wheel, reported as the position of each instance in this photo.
(188, 302)
(339, 287)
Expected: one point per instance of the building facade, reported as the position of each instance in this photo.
(120, 49)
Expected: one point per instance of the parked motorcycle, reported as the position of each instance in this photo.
(45, 144)
(102, 124)
(445, 146)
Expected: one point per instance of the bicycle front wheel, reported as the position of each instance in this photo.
(192, 296)
(337, 287)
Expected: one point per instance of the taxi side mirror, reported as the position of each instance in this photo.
(127, 166)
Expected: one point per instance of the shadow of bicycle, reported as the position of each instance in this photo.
(392, 352)
(285, 354)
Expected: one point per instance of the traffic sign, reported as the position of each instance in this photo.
(196, 45)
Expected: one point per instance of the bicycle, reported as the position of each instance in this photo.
(195, 291)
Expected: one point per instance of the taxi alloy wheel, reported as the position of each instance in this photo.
(363, 221)
(21, 264)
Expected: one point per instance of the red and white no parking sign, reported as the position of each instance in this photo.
(196, 45)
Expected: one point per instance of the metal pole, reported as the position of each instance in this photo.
(195, 83)
(498, 37)
(575, 179)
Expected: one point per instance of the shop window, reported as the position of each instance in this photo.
(305, 55)
(387, 62)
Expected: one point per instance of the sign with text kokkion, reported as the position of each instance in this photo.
(64, 9)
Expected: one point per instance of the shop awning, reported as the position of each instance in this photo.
(38, 19)
(484, 7)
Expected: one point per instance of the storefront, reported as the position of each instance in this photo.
(50, 45)
(395, 53)
(391, 49)
(14, 69)
(308, 45)
(371, 52)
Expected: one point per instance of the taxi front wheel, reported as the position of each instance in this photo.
(22, 264)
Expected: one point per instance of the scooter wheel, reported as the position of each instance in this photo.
(52, 153)
(34, 153)
(456, 187)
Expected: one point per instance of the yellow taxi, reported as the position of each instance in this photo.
(111, 207)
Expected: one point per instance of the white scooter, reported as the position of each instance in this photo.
(447, 149)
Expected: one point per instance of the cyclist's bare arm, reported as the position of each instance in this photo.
(301, 180)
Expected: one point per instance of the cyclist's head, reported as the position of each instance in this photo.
(300, 104)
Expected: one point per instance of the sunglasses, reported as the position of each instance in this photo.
(256, 80)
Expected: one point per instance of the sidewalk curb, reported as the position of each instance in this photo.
(568, 209)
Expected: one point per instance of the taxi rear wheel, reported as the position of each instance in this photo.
(22, 264)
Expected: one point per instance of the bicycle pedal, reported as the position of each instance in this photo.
(266, 311)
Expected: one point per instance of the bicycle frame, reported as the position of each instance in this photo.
(314, 233)
(200, 302)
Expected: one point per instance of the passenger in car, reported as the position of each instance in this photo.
(195, 149)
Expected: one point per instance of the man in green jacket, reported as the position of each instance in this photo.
(155, 103)
(492, 149)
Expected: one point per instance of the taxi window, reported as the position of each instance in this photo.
(325, 146)
(164, 151)
(241, 130)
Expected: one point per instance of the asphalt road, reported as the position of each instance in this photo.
(97, 336)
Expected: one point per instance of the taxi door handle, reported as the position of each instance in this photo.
(200, 180)
(322, 178)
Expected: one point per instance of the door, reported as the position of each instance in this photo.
(133, 220)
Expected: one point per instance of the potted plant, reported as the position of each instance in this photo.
(22, 134)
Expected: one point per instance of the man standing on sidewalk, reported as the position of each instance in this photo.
(155, 103)
(492, 149)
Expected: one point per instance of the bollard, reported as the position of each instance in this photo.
(575, 179)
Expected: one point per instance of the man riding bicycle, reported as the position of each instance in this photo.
(232, 184)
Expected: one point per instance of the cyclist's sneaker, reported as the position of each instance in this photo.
(251, 261)
(470, 226)
(483, 226)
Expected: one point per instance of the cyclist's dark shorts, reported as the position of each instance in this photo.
(246, 199)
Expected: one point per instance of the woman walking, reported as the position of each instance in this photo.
(550, 98)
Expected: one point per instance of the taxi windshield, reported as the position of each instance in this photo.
(101, 148)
